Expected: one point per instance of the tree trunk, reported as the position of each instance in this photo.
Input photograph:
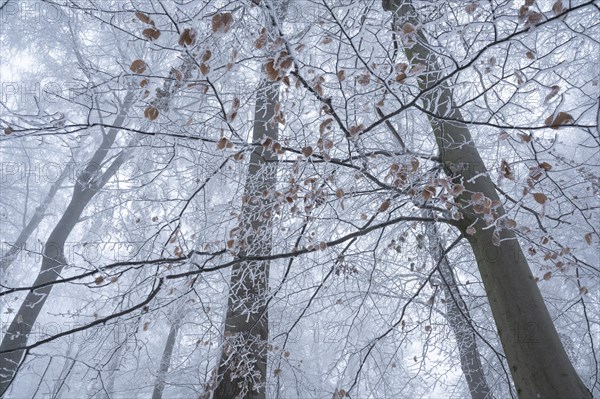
(459, 319)
(243, 364)
(537, 359)
(88, 183)
(35, 220)
(165, 360)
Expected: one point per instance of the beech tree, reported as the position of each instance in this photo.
(322, 198)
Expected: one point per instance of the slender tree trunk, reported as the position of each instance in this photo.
(537, 359)
(459, 319)
(165, 360)
(88, 183)
(35, 220)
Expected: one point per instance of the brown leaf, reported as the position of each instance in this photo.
(327, 40)
(553, 93)
(364, 79)
(146, 326)
(151, 33)
(540, 198)
(339, 193)
(99, 280)
(588, 238)
(8, 130)
(307, 151)
(557, 7)
(206, 55)
(188, 37)
(534, 18)
(583, 290)
(204, 69)
(471, 7)
(222, 22)
(384, 206)
(401, 77)
(428, 193)
(530, 55)
(262, 39)
(561, 119)
(222, 143)
(341, 75)
(144, 18)
(414, 163)
(524, 137)
(138, 66)
(177, 74)
(546, 166)
(271, 72)
(547, 276)
(506, 170)
(151, 113)
(325, 125)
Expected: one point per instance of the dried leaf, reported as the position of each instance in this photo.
(204, 69)
(8, 131)
(384, 206)
(561, 119)
(534, 18)
(206, 55)
(188, 37)
(540, 198)
(471, 7)
(547, 276)
(144, 18)
(138, 66)
(272, 73)
(99, 280)
(506, 170)
(339, 193)
(524, 137)
(151, 33)
(414, 163)
(222, 22)
(261, 41)
(546, 166)
(583, 290)
(307, 151)
(557, 7)
(146, 326)
(553, 92)
(401, 77)
(327, 40)
(530, 55)
(588, 238)
(341, 75)
(151, 113)
(325, 125)
(364, 79)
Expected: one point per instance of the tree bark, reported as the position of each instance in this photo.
(35, 220)
(537, 359)
(459, 319)
(243, 364)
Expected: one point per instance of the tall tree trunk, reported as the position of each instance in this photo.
(242, 370)
(537, 359)
(165, 360)
(243, 364)
(88, 183)
(35, 220)
(459, 319)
